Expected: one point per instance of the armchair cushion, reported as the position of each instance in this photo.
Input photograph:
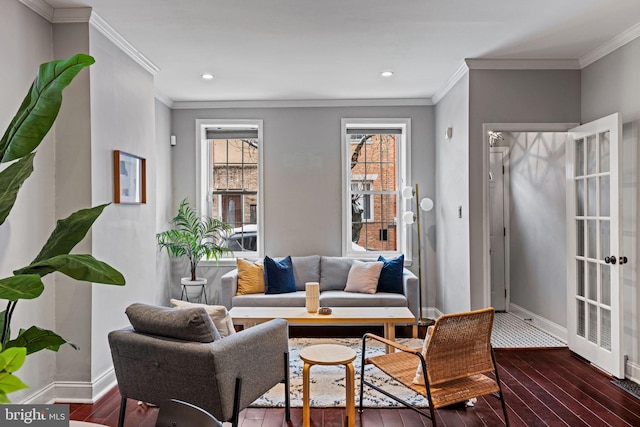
(218, 314)
(192, 324)
(278, 276)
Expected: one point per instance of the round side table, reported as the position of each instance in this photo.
(328, 354)
(186, 281)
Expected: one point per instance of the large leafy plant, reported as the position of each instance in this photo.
(32, 122)
(194, 236)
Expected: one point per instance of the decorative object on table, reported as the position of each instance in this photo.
(410, 217)
(129, 178)
(312, 291)
(325, 310)
(194, 237)
(30, 125)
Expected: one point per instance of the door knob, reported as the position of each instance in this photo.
(623, 260)
(610, 259)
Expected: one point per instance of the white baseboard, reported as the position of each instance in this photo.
(540, 322)
(632, 371)
(74, 391)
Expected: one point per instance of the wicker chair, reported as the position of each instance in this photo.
(457, 355)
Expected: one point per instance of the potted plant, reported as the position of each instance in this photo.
(195, 237)
(32, 122)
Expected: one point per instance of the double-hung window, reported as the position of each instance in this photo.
(229, 168)
(375, 168)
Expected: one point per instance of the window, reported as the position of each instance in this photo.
(229, 161)
(375, 153)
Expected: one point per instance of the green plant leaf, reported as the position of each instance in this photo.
(11, 179)
(22, 286)
(10, 383)
(3, 398)
(35, 339)
(69, 232)
(77, 266)
(40, 107)
(11, 359)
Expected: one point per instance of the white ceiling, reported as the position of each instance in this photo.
(265, 50)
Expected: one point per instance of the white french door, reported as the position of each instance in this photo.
(594, 258)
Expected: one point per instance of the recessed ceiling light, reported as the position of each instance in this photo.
(207, 76)
(386, 73)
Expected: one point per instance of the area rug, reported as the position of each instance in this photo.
(327, 383)
(509, 331)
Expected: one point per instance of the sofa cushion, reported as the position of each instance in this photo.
(391, 275)
(250, 277)
(290, 299)
(351, 299)
(363, 277)
(334, 272)
(191, 324)
(306, 269)
(278, 276)
(218, 314)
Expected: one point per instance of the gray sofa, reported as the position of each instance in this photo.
(331, 273)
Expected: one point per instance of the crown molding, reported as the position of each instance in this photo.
(107, 30)
(164, 99)
(442, 92)
(295, 103)
(71, 15)
(86, 14)
(40, 7)
(522, 64)
(618, 41)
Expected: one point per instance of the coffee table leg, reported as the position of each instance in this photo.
(306, 412)
(390, 334)
(351, 395)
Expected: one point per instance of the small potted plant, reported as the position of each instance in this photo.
(196, 237)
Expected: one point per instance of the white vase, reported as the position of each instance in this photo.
(312, 290)
(193, 288)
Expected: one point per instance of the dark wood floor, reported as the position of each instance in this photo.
(542, 388)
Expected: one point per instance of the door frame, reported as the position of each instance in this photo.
(506, 191)
(502, 127)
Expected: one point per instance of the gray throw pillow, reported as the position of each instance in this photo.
(334, 272)
(192, 324)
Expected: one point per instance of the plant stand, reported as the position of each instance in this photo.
(186, 282)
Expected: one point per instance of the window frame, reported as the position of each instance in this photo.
(204, 177)
(403, 172)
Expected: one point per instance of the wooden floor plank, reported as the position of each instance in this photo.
(541, 387)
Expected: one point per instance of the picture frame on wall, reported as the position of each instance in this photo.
(130, 183)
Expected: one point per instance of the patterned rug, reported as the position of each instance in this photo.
(327, 385)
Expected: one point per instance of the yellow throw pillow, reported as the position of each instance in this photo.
(250, 278)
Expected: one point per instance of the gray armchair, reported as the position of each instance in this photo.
(178, 354)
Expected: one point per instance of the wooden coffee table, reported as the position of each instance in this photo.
(388, 316)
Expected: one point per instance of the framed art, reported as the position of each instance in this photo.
(130, 183)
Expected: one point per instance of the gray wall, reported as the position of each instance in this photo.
(452, 159)
(122, 118)
(164, 197)
(25, 42)
(537, 216)
(509, 96)
(611, 85)
(302, 174)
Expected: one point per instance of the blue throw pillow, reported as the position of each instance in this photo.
(391, 276)
(278, 276)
